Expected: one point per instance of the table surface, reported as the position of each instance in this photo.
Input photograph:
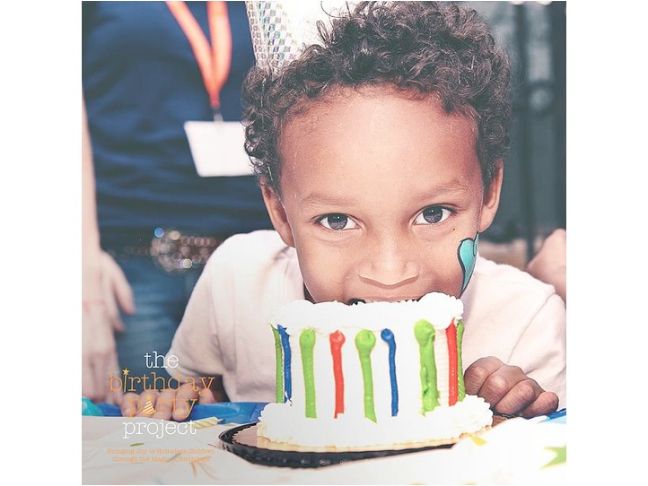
(147, 451)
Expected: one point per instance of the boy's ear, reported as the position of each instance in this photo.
(492, 197)
(277, 214)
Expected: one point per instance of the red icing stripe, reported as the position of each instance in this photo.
(337, 340)
(451, 338)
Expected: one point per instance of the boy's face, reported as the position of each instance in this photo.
(378, 192)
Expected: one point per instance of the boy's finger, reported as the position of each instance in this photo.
(206, 396)
(147, 403)
(500, 382)
(185, 399)
(546, 402)
(115, 397)
(478, 372)
(519, 397)
(130, 404)
(164, 404)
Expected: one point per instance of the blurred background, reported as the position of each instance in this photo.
(533, 196)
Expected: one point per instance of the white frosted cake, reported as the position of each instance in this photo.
(370, 376)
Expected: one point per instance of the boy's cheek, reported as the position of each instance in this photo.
(448, 283)
(319, 292)
(323, 273)
(443, 265)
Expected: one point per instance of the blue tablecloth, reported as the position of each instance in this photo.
(228, 412)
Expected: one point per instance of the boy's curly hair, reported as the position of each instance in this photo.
(418, 47)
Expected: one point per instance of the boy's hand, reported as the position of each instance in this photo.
(508, 389)
(168, 404)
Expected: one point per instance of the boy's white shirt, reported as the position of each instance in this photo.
(225, 329)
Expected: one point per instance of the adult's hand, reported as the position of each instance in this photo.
(105, 292)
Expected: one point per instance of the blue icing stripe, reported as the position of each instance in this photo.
(285, 344)
(388, 337)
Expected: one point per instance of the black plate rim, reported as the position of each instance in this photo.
(297, 459)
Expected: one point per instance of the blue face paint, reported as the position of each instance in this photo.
(467, 254)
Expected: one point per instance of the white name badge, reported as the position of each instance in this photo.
(217, 148)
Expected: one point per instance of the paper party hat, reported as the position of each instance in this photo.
(281, 30)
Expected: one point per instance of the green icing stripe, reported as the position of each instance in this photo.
(424, 332)
(306, 345)
(279, 384)
(461, 389)
(365, 342)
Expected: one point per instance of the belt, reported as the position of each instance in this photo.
(172, 250)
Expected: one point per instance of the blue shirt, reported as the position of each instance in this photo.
(141, 82)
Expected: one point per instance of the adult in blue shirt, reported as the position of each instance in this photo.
(141, 83)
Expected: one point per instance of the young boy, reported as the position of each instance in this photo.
(379, 156)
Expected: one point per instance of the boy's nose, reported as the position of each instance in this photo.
(389, 265)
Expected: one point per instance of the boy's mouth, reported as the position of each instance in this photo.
(370, 300)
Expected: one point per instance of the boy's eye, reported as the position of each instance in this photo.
(337, 222)
(432, 215)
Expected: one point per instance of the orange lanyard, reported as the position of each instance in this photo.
(214, 61)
